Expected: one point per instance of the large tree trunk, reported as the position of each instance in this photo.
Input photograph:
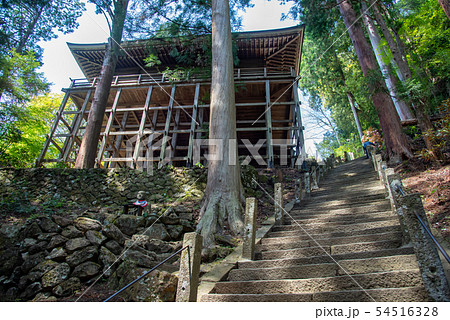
(88, 149)
(402, 108)
(351, 98)
(396, 144)
(222, 209)
(445, 4)
(405, 74)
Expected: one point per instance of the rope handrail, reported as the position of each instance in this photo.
(152, 269)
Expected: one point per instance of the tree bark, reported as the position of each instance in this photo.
(88, 149)
(445, 4)
(405, 74)
(350, 97)
(402, 108)
(396, 144)
(222, 207)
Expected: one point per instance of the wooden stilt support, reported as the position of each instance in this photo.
(173, 142)
(107, 129)
(76, 127)
(162, 154)
(52, 130)
(137, 147)
(269, 148)
(193, 124)
(298, 123)
(119, 139)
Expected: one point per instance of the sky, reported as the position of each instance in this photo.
(59, 64)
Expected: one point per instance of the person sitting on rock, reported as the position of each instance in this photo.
(139, 205)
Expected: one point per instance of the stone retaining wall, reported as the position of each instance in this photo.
(50, 257)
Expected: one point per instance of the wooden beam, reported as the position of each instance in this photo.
(75, 127)
(52, 130)
(107, 129)
(173, 142)
(167, 127)
(268, 115)
(193, 124)
(137, 148)
(301, 138)
(119, 139)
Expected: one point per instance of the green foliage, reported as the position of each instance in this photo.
(165, 19)
(19, 80)
(27, 22)
(330, 145)
(425, 30)
(22, 138)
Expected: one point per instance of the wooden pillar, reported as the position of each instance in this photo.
(188, 276)
(108, 128)
(269, 148)
(173, 142)
(301, 138)
(140, 134)
(162, 154)
(119, 139)
(192, 129)
(197, 146)
(53, 129)
(248, 249)
(75, 127)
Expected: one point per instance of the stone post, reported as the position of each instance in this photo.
(248, 249)
(307, 185)
(278, 202)
(430, 265)
(378, 165)
(188, 276)
(315, 182)
(393, 184)
(298, 190)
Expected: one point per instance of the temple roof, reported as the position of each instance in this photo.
(278, 49)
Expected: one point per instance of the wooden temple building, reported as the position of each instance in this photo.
(152, 118)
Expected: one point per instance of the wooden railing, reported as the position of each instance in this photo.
(153, 78)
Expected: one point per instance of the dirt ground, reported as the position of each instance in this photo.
(433, 183)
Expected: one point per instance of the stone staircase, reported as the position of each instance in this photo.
(341, 244)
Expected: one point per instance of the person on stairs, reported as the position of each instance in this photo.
(365, 145)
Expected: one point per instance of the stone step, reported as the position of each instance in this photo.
(340, 217)
(368, 194)
(342, 204)
(334, 249)
(337, 198)
(289, 262)
(338, 224)
(294, 242)
(324, 228)
(300, 235)
(295, 227)
(391, 279)
(342, 267)
(408, 294)
(303, 210)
